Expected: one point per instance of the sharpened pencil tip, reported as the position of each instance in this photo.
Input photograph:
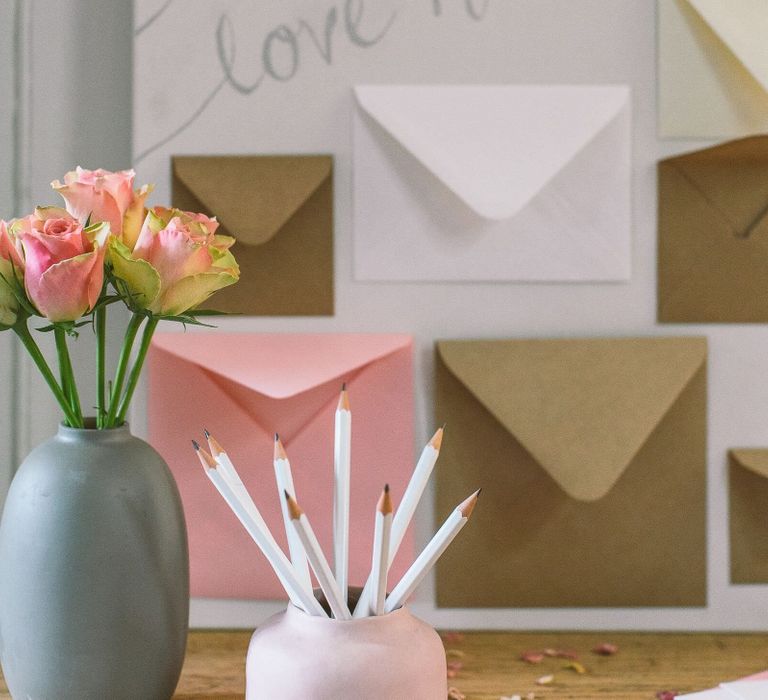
(437, 439)
(467, 506)
(196, 445)
(384, 506)
(279, 449)
(293, 507)
(206, 433)
(343, 399)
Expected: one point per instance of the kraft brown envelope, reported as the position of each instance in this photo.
(591, 456)
(280, 210)
(748, 481)
(713, 234)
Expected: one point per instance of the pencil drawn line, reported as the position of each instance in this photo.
(152, 18)
(183, 127)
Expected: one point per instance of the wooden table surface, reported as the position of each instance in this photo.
(491, 667)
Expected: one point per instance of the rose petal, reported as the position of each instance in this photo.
(545, 680)
(532, 657)
(67, 290)
(605, 649)
(456, 694)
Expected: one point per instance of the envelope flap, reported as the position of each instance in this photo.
(494, 146)
(732, 178)
(742, 25)
(252, 196)
(280, 366)
(581, 407)
(753, 459)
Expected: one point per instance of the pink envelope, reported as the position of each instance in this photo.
(244, 387)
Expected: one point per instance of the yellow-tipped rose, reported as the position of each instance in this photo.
(11, 276)
(177, 263)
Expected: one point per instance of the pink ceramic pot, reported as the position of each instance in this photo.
(294, 656)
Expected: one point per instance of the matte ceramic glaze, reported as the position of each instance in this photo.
(94, 573)
(293, 656)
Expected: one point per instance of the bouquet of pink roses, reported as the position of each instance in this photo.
(68, 265)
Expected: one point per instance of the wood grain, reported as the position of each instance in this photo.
(644, 665)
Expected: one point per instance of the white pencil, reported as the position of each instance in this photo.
(432, 552)
(405, 511)
(318, 561)
(284, 479)
(259, 532)
(381, 535)
(341, 481)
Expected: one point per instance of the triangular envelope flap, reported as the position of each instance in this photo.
(252, 196)
(732, 177)
(581, 407)
(494, 146)
(742, 25)
(280, 366)
(753, 459)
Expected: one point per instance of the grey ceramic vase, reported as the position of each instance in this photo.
(94, 571)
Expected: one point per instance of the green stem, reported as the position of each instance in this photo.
(22, 331)
(133, 380)
(100, 321)
(122, 368)
(68, 384)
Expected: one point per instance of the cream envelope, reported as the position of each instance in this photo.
(492, 182)
(713, 68)
(243, 388)
(592, 455)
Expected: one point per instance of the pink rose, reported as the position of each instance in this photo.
(177, 263)
(105, 196)
(64, 263)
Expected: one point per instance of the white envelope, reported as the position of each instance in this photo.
(746, 690)
(713, 68)
(492, 182)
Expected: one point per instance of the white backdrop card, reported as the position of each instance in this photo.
(713, 68)
(492, 182)
(278, 76)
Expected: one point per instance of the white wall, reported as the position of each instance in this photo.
(77, 80)
(525, 41)
(8, 187)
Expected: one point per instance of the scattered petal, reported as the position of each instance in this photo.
(567, 654)
(545, 680)
(452, 673)
(456, 694)
(454, 654)
(605, 649)
(455, 665)
(453, 637)
(549, 652)
(575, 666)
(532, 657)
(510, 697)
(666, 695)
